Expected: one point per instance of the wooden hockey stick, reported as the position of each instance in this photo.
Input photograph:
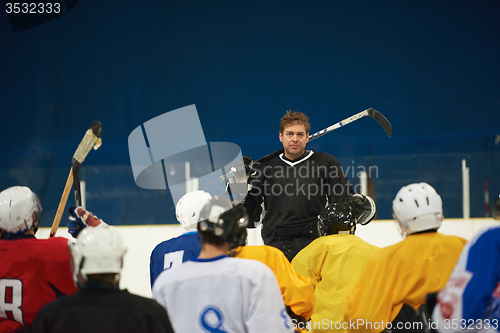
(91, 139)
(368, 112)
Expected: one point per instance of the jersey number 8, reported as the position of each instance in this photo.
(11, 299)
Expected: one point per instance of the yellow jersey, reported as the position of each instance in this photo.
(401, 273)
(333, 264)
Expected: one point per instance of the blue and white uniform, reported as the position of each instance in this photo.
(173, 252)
(471, 298)
(222, 294)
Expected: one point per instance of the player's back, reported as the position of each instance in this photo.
(223, 294)
(33, 272)
(173, 252)
(404, 272)
(296, 289)
(334, 263)
(102, 307)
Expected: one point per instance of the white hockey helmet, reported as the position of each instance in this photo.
(188, 208)
(97, 250)
(20, 208)
(417, 207)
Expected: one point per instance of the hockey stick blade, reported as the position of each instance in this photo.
(92, 139)
(89, 141)
(381, 120)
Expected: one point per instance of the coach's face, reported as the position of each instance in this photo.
(294, 139)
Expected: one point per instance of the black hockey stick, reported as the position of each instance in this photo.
(91, 139)
(368, 112)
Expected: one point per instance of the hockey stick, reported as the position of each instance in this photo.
(91, 139)
(368, 112)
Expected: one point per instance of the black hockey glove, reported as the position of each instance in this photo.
(363, 207)
(298, 321)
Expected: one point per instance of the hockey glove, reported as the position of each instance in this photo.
(238, 182)
(299, 322)
(81, 218)
(241, 170)
(363, 207)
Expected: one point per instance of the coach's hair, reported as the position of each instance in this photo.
(294, 118)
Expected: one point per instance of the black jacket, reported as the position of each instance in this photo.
(102, 307)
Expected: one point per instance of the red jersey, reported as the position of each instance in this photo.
(33, 272)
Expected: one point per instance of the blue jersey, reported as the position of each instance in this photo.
(472, 293)
(173, 252)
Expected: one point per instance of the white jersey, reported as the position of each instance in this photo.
(222, 294)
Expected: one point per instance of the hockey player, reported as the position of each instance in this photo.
(99, 305)
(296, 290)
(333, 262)
(294, 187)
(175, 251)
(33, 271)
(397, 278)
(470, 301)
(217, 293)
(297, 293)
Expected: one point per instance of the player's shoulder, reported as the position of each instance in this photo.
(451, 239)
(49, 245)
(265, 253)
(262, 249)
(340, 242)
(142, 303)
(492, 233)
(249, 267)
(390, 251)
(184, 238)
(276, 160)
(324, 158)
(488, 237)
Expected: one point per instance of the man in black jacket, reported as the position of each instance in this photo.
(295, 186)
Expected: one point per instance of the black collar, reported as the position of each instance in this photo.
(98, 285)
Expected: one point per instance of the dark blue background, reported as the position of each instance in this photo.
(431, 67)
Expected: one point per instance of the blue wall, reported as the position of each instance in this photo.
(431, 67)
